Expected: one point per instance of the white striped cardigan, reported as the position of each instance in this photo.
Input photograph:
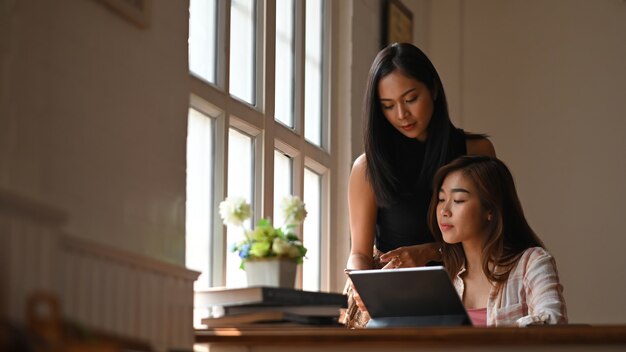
(531, 295)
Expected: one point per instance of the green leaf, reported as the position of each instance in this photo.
(264, 223)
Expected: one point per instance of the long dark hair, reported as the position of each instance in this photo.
(379, 133)
(508, 233)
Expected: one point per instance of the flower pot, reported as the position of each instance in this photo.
(272, 272)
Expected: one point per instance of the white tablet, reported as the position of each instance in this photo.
(422, 296)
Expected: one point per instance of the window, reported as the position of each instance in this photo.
(312, 230)
(313, 72)
(240, 184)
(200, 169)
(283, 171)
(285, 46)
(202, 36)
(242, 55)
(262, 135)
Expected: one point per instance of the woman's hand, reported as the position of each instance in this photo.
(411, 256)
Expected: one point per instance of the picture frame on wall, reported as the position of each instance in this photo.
(136, 11)
(397, 23)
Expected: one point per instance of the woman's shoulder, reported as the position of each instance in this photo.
(534, 252)
(359, 183)
(536, 258)
(479, 144)
(360, 163)
(359, 167)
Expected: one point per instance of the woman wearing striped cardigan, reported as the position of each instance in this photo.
(497, 263)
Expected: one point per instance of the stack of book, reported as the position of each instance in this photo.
(262, 305)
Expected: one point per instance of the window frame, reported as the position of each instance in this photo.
(270, 134)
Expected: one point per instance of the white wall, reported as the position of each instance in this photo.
(93, 118)
(546, 80)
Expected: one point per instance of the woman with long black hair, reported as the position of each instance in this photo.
(408, 135)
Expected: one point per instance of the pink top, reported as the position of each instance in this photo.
(478, 316)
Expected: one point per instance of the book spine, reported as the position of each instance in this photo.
(295, 297)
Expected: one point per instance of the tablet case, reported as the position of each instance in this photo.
(422, 296)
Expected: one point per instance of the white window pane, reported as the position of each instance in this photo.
(313, 73)
(202, 37)
(284, 72)
(199, 194)
(240, 181)
(242, 41)
(282, 184)
(312, 234)
(199, 200)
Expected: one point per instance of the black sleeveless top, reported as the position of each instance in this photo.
(405, 223)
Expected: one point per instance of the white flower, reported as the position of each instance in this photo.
(293, 210)
(235, 210)
(265, 240)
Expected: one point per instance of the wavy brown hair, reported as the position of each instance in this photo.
(508, 234)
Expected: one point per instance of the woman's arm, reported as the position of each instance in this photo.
(411, 256)
(362, 211)
(544, 292)
(362, 208)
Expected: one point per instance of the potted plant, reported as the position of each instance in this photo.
(269, 254)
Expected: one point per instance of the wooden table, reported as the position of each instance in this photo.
(330, 339)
